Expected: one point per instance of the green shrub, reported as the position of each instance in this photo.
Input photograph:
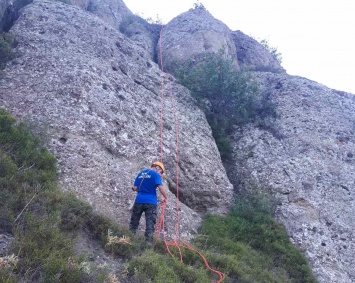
(131, 23)
(7, 166)
(254, 247)
(153, 267)
(25, 150)
(273, 51)
(228, 96)
(230, 93)
(7, 41)
(6, 276)
(64, 1)
(42, 219)
(74, 213)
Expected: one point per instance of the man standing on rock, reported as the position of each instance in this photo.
(145, 184)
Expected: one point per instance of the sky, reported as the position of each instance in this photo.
(316, 38)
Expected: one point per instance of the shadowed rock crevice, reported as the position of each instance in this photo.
(9, 12)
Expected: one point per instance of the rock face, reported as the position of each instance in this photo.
(252, 55)
(9, 12)
(307, 160)
(192, 34)
(112, 12)
(143, 33)
(96, 98)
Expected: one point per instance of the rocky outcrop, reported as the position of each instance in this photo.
(253, 56)
(9, 11)
(192, 34)
(143, 33)
(112, 12)
(304, 158)
(307, 160)
(82, 4)
(96, 98)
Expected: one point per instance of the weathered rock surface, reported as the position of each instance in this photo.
(312, 205)
(9, 12)
(307, 160)
(116, 13)
(252, 55)
(83, 4)
(5, 240)
(143, 33)
(191, 34)
(112, 12)
(97, 97)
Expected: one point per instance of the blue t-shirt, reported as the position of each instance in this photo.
(147, 181)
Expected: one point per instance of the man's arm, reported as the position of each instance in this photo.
(135, 188)
(162, 191)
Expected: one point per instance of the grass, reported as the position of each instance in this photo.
(257, 246)
(247, 245)
(42, 219)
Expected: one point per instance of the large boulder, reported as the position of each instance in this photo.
(83, 4)
(192, 34)
(307, 160)
(96, 98)
(112, 12)
(254, 56)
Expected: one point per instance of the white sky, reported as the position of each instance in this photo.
(315, 37)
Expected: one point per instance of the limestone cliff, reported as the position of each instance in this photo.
(96, 98)
(95, 95)
(304, 158)
(192, 34)
(307, 161)
(252, 55)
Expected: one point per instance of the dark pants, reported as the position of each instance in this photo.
(150, 212)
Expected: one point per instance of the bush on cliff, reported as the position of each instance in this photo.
(228, 96)
(7, 41)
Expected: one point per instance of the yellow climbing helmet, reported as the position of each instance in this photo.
(160, 164)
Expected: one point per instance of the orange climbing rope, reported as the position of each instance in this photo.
(177, 242)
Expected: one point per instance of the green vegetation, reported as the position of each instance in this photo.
(128, 25)
(273, 50)
(258, 246)
(7, 41)
(198, 5)
(42, 219)
(63, 1)
(228, 96)
(154, 20)
(247, 245)
(134, 23)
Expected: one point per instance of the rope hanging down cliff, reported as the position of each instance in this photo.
(178, 243)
